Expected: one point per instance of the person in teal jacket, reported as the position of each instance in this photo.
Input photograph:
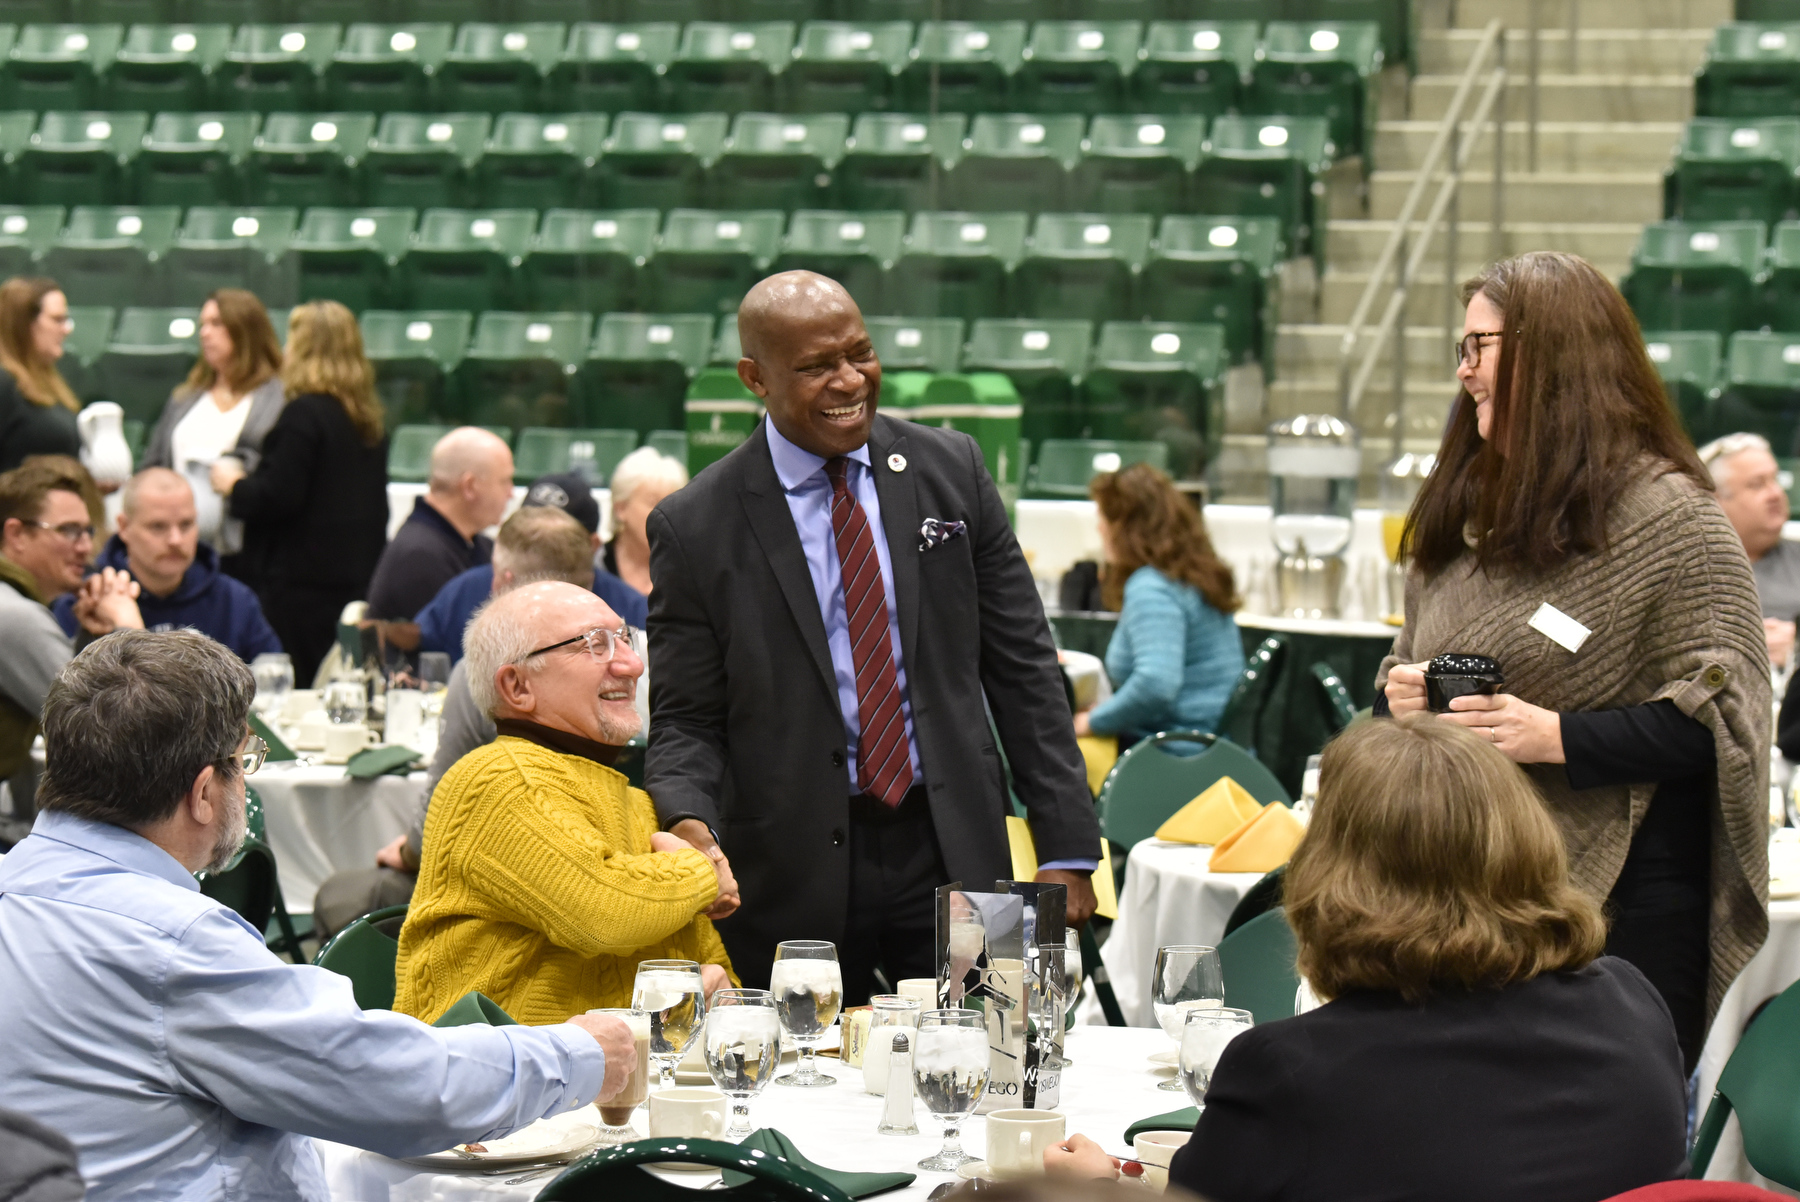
(1176, 653)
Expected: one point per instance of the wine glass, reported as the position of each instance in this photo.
(1188, 977)
(273, 672)
(1203, 1040)
(743, 1046)
(950, 1072)
(809, 991)
(673, 995)
(346, 700)
(1074, 977)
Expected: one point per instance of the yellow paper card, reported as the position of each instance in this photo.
(1260, 845)
(1025, 866)
(1221, 808)
(1099, 753)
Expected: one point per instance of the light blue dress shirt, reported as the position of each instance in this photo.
(149, 1024)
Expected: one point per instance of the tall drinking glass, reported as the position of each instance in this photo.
(950, 1072)
(672, 994)
(743, 1046)
(809, 991)
(1188, 977)
(273, 672)
(1203, 1040)
(615, 1112)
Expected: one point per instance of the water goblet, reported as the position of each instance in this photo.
(1203, 1040)
(809, 991)
(1188, 977)
(346, 700)
(673, 995)
(743, 1046)
(950, 1073)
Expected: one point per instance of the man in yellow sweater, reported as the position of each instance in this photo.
(544, 879)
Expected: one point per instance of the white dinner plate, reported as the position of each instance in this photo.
(555, 1139)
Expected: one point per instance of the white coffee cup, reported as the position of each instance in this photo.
(309, 734)
(923, 988)
(689, 1113)
(344, 739)
(1017, 1140)
(1155, 1149)
(299, 703)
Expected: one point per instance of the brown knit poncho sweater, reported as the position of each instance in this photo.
(1673, 609)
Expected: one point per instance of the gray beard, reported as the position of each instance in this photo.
(231, 838)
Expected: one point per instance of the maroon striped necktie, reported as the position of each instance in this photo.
(883, 763)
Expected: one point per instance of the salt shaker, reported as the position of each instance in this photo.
(897, 1115)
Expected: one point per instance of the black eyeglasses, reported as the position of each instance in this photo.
(1468, 348)
(72, 532)
(601, 642)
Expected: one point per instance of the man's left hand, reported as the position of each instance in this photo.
(1081, 892)
(1527, 733)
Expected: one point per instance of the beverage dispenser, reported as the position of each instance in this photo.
(1314, 462)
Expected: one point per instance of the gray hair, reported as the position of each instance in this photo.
(1715, 453)
(646, 465)
(497, 635)
(131, 721)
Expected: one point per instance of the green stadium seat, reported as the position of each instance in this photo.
(1043, 359)
(307, 159)
(1077, 66)
(1691, 364)
(421, 159)
(985, 406)
(652, 161)
(961, 66)
(932, 344)
(609, 68)
(898, 10)
(1781, 281)
(1257, 166)
(897, 160)
(1751, 70)
(1219, 270)
(673, 443)
(1691, 276)
(1198, 68)
(1001, 10)
(1080, 264)
(15, 135)
(1393, 17)
(112, 254)
(684, 11)
(79, 158)
(409, 451)
(728, 68)
(166, 68)
(778, 10)
(466, 259)
(854, 248)
(26, 231)
(1160, 382)
(707, 259)
(520, 369)
(348, 255)
(1137, 164)
(540, 161)
(593, 453)
(383, 68)
(957, 264)
(588, 261)
(1063, 467)
(1326, 69)
(1011, 157)
(231, 247)
(499, 68)
(1762, 389)
(727, 350)
(779, 161)
(637, 371)
(192, 158)
(58, 66)
(1735, 170)
(90, 330)
(273, 68)
(414, 354)
(846, 67)
(150, 353)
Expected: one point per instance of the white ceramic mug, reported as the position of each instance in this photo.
(309, 732)
(923, 988)
(1155, 1149)
(301, 702)
(345, 739)
(1017, 1140)
(689, 1113)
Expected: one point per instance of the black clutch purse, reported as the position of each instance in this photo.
(1450, 676)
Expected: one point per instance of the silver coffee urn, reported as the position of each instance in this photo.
(1314, 462)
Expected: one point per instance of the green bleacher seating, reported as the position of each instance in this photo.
(26, 231)
(728, 68)
(192, 158)
(421, 159)
(1762, 389)
(124, 12)
(1162, 382)
(15, 135)
(1080, 264)
(414, 354)
(1781, 282)
(1000, 10)
(58, 66)
(957, 264)
(1077, 66)
(1014, 157)
(933, 344)
(540, 161)
(1696, 276)
(1194, 67)
(150, 353)
(307, 159)
(779, 160)
(498, 68)
(1137, 164)
(112, 254)
(673, 443)
(653, 161)
(856, 249)
(897, 160)
(466, 259)
(383, 68)
(961, 66)
(707, 259)
(637, 371)
(1393, 17)
(588, 260)
(1736, 170)
(593, 453)
(348, 255)
(90, 330)
(1691, 364)
(163, 68)
(1062, 467)
(275, 67)
(727, 350)
(612, 68)
(846, 67)
(520, 369)
(1751, 70)
(683, 11)
(231, 247)
(1321, 69)
(1044, 360)
(1217, 270)
(1768, 10)
(79, 158)
(409, 451)
(897, 10)
(1259, 166)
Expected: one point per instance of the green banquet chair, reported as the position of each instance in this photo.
(366, 951)
(1151, 781)
(1761, 1082)
(250, 886)
(1258, 960)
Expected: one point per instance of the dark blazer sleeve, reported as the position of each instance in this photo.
(280, 485)
(1251, 1138)
(689, 691)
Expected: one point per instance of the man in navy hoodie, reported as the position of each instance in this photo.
(178, 575)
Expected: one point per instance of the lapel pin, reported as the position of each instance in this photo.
(896, 463)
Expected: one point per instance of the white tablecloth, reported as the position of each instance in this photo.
(320, 821)
(1108, 1087)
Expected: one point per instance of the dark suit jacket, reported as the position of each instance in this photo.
(747, 734)
(1567, 1088)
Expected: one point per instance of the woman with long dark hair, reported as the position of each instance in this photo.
(37, 407)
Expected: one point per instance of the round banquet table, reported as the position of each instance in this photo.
(1107, 1086)
(320, 821)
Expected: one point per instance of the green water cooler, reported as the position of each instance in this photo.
(721, 413)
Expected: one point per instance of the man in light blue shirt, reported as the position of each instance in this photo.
(149, 1024)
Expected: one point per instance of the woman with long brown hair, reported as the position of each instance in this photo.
(1176, 654)
(1570, 533)
(37, 407)
(315, 508)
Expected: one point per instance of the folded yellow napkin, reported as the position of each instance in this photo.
(1221, 808)
(1261, 844)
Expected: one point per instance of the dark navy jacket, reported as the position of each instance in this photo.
(211, 602)
(442, 622)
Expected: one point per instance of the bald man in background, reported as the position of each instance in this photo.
(833, 602)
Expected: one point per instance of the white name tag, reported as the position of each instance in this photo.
(1559, 627)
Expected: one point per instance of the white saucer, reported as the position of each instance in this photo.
(1171, 1058)
(976, 1170)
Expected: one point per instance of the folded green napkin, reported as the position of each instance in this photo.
(379, 761)
(476, 1009)
(857, 1185)
(278, 748)
(1176, 1120)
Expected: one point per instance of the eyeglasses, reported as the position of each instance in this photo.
(72, 532)
(252, 755)
(1468, 348)
(601, 642)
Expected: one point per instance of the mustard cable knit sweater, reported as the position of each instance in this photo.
(538, 888)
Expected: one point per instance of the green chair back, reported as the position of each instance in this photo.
(1079, 264)
(779, 160)
(1217, 270)
(897, 160)
(57, 66)
(1043, 358)
(612, 68)
(1150, 782)
(1258, 961)
(192, 158)
(79, 158)
(307, 159)
(1243, 709)
(1761, 1082)
(917, 343)
(658, 161)
(1013, 155)
(348, 255)
(957, 264)
(1138, 164)
(26, 231)
(366, 952)
(1696, 275)
(498, 68)
(166, 67)
(707, 259)
(1340, 709)
(231, 246)
(88, 336)
(1691, 364)
(1161, 381)
(409, 452)
(588, 260)
(728, 67)
(465, 258)
(520, 369)
(1077, 66)
(1064, 466)
(113, 253)
(1194, 67)
(854, 248)
(250, 885)
(413, 353)
(845, 66)
(594, 453)
(1749, 71)
(1735, 169)
(276, 67)
(423, 159)
(150, 353)
(539, 160)
(616, 1172)
(387, 68)
(963, 66)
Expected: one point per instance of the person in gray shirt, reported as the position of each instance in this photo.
(1750, 492)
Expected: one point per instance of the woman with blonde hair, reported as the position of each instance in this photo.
(315, 507)
(37, 407)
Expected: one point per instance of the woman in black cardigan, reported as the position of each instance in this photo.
(315, 510)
